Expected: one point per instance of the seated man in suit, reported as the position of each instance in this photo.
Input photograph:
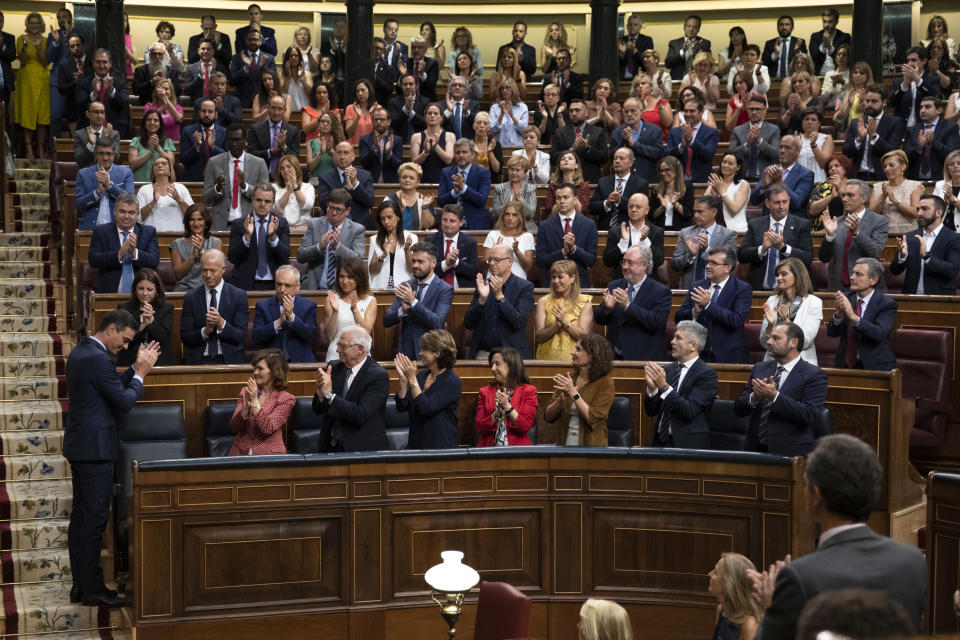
(117, 249)
(456, 252)
(259, 243)
(859, 233)
(352, 397)
(680, 51)
(721, 303)
(99, 186)
(213, 324)
(631, 47)
(872, 135)
(287, 321)
(914, 86)
(268, 35)
(693, 142)
(85, 138)
(272, 138)
(689, 257)
(406, 110)
(636, 308)
(783, 397)
(197, 75)
(229, 109)
(466, 184)
(500, 307)
(246, 66)
(586, 140)
(201, 141)
(824, 43)
(424, 69)
(422, 303)
(797, 179)
(641, 137)
(567, 236)
(608, 206)
(637, 231)
(778, 53)
(222, 48)
(146, 76)
(329, 240)
(681, 394)
(564, 78)
(929, 141)
(844, 480)
(864, 321)
(381, 152)
(108, 86)
(357, 182)
(230, 179)
(931, 254)
(772, 238)
(757, 141)
(459, 111)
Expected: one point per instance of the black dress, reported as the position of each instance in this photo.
(680, 220)
(433, 166)
(158, 330)
(726, 630)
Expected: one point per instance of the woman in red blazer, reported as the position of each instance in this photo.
(507, 408)
(263, 407)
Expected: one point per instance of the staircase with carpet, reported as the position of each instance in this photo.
(36, 492)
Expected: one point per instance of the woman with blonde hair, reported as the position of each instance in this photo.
(660, 81)
(653, 109)
(508, 115)
(738, 614)
(462, 42)
(554, 40)
(850, 106)
(163, 200)
(509, 229)
(949, 188)
(164, 102)
(517, 188)
(937, 29)
(508, 66)
(294, 200)
(415, 208)
(897, 198)
(702, 77)
(538, 161)
(793, 301)
(32, 97)
(564, 315)
(800, 99)
(309, 54)
(800, 62)
(604, 620)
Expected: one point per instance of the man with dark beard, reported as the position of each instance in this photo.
(201, 141)
(872, 135)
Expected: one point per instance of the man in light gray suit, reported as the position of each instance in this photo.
(330, 240)
(859, 233)
(756, 142)
(231, 178)
(690, 256)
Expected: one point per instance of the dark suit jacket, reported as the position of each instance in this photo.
(294, 339)
(875, 329)
(678, 63)
(67, 85)
(612, 254)
(244, 258)
(689, 406)
(192, 77)
(466, 268)
(142, 87)
(799, 184)
(81, 152)
(592, 158)
(259, 141)
(637, 332)
(550, 247)
(159, 330)
(889, 132)
(231, 112)
(703, 147)
(117, 106)
(402, 124)
(939, 272)
(647, 149)
(473, 199)
(605, 218)
(946, 138)
(8, 53)
(358, 417)
(902, 101)
(247, 81)
(796, 235)
(853, 559)
(194, 160)
(501, 323)
(641, 43)
(433, 414)
(222, 53)
(104, 246)
(797, 45)
(234, 309)
(430, 312)
(468, 113)
(371, 160)
(794, 412)
(724, 320)
(528, 57)
(268, 41)
(816, 39)
(572, 88)
(680, 221)
(85, 199)
(98, 395)
(384, 82)
(428, 87)
(362, 195)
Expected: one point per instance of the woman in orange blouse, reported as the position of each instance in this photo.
(263, 407)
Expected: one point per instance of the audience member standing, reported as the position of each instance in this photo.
(421, 303)
(68, 72)
(863, 321)
(562, 316)
(432, 396)
(185, 252)
(738, 614)
(859, 233)
(32, 107)
(567, 236)
(467, 185)
(108, 86)
(705, 235)
(681, 51)
(259, 243)
(267, 33)
(609, 203)
(797, 179)
(507, 408)
(456, 251)
(778, 53)
(757, 141)
(99, 186)
(825, 43)
(929, 142)
(225, 185)
(772, 238)
(793, 301)
(85, 138)
(329, 240)
(872, 135)
(223, 50)
(635, 231)
(357, 182)
(348, 305)
(201, 141)
(587, 141)
(228, 108)
(247, 65)
(930, 256)
(693, 143)
(581, 400)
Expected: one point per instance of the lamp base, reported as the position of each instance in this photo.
(450, 610)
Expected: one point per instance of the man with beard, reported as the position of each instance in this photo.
(872, 135)
(569, 83)
(201, 141)
(778, 53)
(422, 303)
(824, 43)
(146, 76)
(267, 34)
(931, 254)
(381, 152)
(247, 65)
(586, 140)
(526, 54)
(229, 110)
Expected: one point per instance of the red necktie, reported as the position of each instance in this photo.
(448, 276)
(688, 170)
(853, 339)
(206, 78)
(235, 201)
(845, 273)
(579, 132)
(567, 227)
(103, 91)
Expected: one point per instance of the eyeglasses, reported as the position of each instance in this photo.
(495, 260)
(333, 209)
(344, 347)
(714, 263)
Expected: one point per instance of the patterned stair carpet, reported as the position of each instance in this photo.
(36, 492)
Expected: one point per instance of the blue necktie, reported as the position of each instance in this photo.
(329, 267)
(456, 120)
(126, 271)
(716, 294)
(213, 342)
(262, 268)
(773, 257)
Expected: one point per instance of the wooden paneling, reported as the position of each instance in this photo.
(943, 552)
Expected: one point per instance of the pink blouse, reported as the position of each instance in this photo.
(170, 127)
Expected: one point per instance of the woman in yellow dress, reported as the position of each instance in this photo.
(32, 105)
(564, 315)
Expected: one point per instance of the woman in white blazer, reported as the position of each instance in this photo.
(793, 301)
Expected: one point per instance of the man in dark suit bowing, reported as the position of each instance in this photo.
(500, 307)
(567, 236)
(259, 243)
(352, 397)
(693, 143)
(608, 206)
(287, 321)
(796, 179)
(117, 249)
(98, 395)
(213, 324)
(864, 321)
(681, 394)
(421, 303)
(357, 182)
(636, 231)
(872, 135)
(456, 251)
(641, 137)
(466, 184)
(929, 142)
(931, 254)
(587, 141)
(201, 141)
(272, 138)
(783, 396)
(636, 308)
(381, 152)
(772, 238)
(721, 303)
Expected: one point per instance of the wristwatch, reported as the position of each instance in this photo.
(575, 397)
(328, 396)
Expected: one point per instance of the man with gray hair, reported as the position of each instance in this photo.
(352, 397)
(459, 110)
(146, 76)
(424, 69)
(119, 248)
(859, 233)
(99, 185)
(213, 324)
(863, 321)
(467, 185)
(681, 394)
(287, 321)
(608, 206)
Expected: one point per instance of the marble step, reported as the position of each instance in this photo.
(34, 534)
(32, 416)
(38, 500)
(24, 239)
(47, 366)
(45, 608)
(31, 443)
(37, 466)
(30, 388)
(30, 345)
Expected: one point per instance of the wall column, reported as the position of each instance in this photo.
(604, 58)
(359, 45)
(109, 31)
(867, 34)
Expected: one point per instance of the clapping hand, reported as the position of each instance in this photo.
(503, 400)
(715, 183)
(406, 367)
(404, 293)
(654, 375)
(772, 174)
(902, 246)
(687, 132)
(496, 285)
(853, 223)
(861, 128)
(843, 306)
(569, 243)
(272, 227)
(702, 239)
(286, 311)
(693, 244)
(764, 387)
(146, 315)
(324, 382)
(772, 239)
(213, 319)
(581, 143)
(770, 314)
(146, 358)
(129, 245)
(457, 181)
(829, 223)
(763, 583)
(483, 288)
(700, 297)
(197, 241)
(332, 301)
(251, 392)
(872, 127)
(563, 384)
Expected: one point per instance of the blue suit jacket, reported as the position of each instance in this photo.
(647, 149)
(505, 323)
(637, 332)
(946, 138)
(703, 147)
(294, 339)
(233, 308)
(550, 246)
(104, 246)
(246, 260)
(371, 161)
(362, 198)
(430, 312)
(939, 272)
(85, 199)
(792, 414)
(689, 406)
(195, 161)
(724, 320)
(246, 83)
(433, 414)
(875, 327)
(98, 395)
(474, 196)
(799, 184)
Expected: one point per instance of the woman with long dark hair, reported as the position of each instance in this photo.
(148, 306)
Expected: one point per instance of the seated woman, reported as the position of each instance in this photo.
(489, 151)
(507, 408)
(152, 143)
(826, 194)
(581, 401)
(567, 171)
(163, 200)
(431, 397)
(148, 305)
(604, 620)
(564, 315)
(816, 148)
(432, 148)
(508, 115)
(416, 209)
(671, 199)
(349, 304)
(796, 102)
(793, 301)
(388, 262)
(263, 407)
(269, 87)
(728, 185)
(539, 161)
(164, 102)
(897, 198)
(517, 188)
(294, 199)
(604, 111)
(509, 229)
(800, 62)
(738, 614)
(837, 80)
(949, 189)
(329, 133)
(185, 252)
